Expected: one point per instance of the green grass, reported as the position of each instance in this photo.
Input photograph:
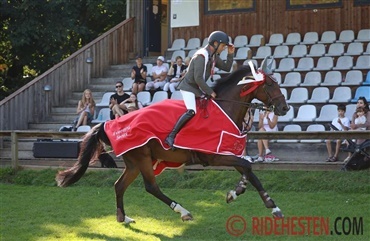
(33, 208)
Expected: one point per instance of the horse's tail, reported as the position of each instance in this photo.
(91, 147)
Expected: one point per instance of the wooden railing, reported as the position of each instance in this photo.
(15, 135)
(33, 102)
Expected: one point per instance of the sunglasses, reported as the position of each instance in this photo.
(118, 86)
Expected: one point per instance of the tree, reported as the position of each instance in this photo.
(37, 34)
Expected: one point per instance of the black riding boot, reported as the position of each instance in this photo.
(180, 123)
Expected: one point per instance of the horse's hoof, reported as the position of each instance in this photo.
(269, 203)
(231, 196)
(129, 220)
(187, 217)
(276, 213)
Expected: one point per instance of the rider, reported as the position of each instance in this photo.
(201, 67)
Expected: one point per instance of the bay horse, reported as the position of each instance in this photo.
(139, 159)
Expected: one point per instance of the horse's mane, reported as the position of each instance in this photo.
(232, 79)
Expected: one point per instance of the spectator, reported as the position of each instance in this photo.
(117, 107)
(85, 109)
(341, 123)
(247, 126)
(361, 102)
(159, 75)
(176, 73)
(267, 122)
(132, 103)
(138, 74)
(360, 118)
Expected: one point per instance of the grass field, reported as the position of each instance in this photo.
(33, 208)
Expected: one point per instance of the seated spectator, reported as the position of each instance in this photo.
(85, 109)
(361, 102)
(138, 74)
(176, 72)
(117, 107)
(341, 123)
(267, 122)
(247, 126)
(360, 118)
(132, 103)
(159, 75)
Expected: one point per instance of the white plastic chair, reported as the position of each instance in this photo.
(105, 101)
(342, 94)
(367, 51)
(314, 127)
(346, 36)
(284, 92)
(292, 79)
(293, 39)
(243, 53)
(192, 52)
(275, 39)
(298, 51)
(193, 43)
(176, 53)
(320, 95)
(367, 79)
(310, 38)
(298, 95)
(362, 91)
(127, 83)
(144, 97)
(305, 64)
(363, 36)
(223, 54)
(287, 128)
(149, 69)
(104, 115)
(178, 44)
(306, 113)
(159, 96)
(286, 65)
(255, 41)
(254, 61)
(355, 49)
(240, 41)
(84, 128)
(350, 109)
(363, 62)
(317, 50)
(344, 63)
(327, 113)
(205, 42)
(277, 77)
(353, 77)
(262, 52)
(324, 64)
(332, 78)
(328, 37)
(312, 78)
(281, 51)
(335, 49)
(288, 117)
(176, 95)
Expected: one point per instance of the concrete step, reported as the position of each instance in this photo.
(48, 126)
(107, 81)
(117, 73)
(63, 109)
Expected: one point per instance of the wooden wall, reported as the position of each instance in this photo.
(271, 16)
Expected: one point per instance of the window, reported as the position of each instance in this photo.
(222, 6)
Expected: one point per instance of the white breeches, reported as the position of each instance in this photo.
(189, 100)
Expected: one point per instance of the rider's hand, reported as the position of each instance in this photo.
(213, 95)
(230, 49)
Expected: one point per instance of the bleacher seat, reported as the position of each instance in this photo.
(176, 53)
(287, 128)
(127, 83)
(262, 52)
(298, 95)
(324, 64)
(105, 101)
(281, 51)
(144, 97)
(363, 62)
(328, 37)
(314, 127)
(293, 39)
(83, 128)
(350, 109)
(176, 95)
(344, 63)
(178, 44)
(288, 117)
(284, 92)
(332, 78)
(355, 49)
(362, 91)
(204, 42)
(312, 78)
(363, 36)
(254, 61)
(306, 113)
(342, 94)
(193, 43)
(286, 65)
(243, 53)
(292, 79)
(277, 77)
(353, 77)
(240, 41)
(367, 79)
(104, 115)
(317, 50)
(298, 51)
(159, 96)
(310, 38)
(192, 52)
(335, 49)
(305, 64)
(320, 95)
(223, 54)
(346, 36)
(367, 51)
(275, 39)
(149, 69)
(255, 41)
(327, 113)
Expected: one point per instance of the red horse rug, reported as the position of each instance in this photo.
(210, 131)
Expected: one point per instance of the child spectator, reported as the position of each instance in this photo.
(176, 73)
(360, 118)
(132, 103)
(138, 74)
(267, 122)
(85, 109)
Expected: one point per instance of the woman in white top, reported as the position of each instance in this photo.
(267, 122)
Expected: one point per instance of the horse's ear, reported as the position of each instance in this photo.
(266, 67)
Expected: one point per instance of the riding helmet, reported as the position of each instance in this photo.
(218, 36)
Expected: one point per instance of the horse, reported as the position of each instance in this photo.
(232, 98)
